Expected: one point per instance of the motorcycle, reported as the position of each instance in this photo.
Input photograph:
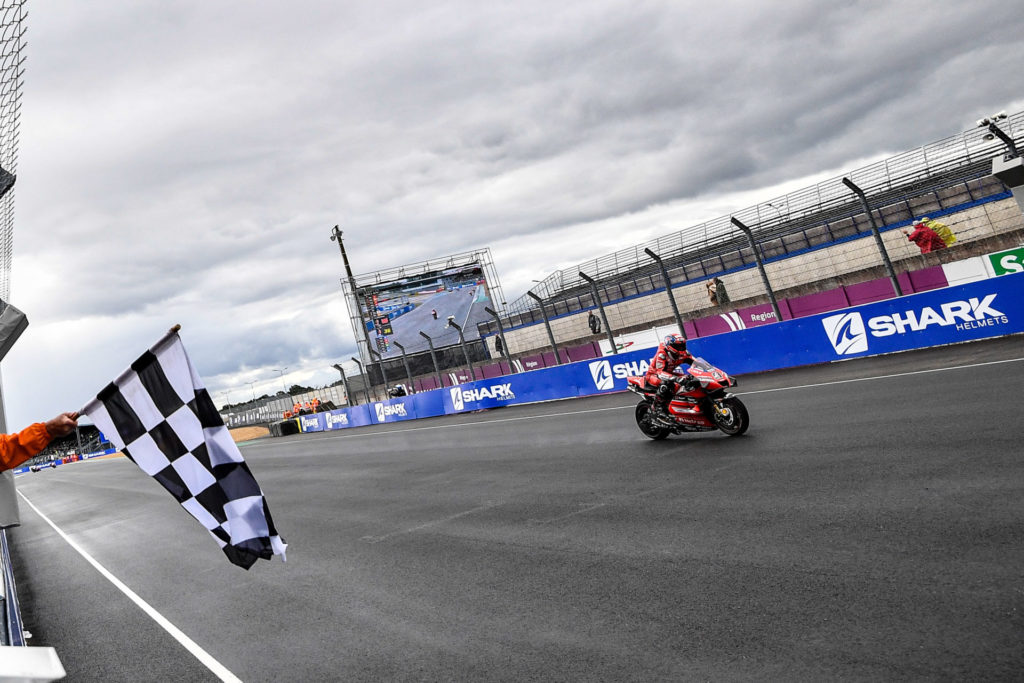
(701, 405)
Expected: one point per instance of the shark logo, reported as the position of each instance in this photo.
(457, 400)
(846, 332)
(384, 410)
(601, 372)
(339, 420)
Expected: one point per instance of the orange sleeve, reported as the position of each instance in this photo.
(17, 448)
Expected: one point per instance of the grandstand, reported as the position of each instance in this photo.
(941, 178)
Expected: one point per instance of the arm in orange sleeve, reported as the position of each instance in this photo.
(17, 448)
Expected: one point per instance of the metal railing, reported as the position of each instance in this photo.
(937, 175)
(12, 632)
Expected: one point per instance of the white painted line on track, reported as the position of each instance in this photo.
(868, 379)
(262, 443)
(218, 669)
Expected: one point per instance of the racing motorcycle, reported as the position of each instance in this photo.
(701, 405)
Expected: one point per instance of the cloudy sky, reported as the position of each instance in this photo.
(185, 162)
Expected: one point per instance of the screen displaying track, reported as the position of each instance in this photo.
(399, 310)
(867, 526)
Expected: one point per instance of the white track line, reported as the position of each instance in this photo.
(868, 379)
(264, 444)
(218, 669)
(261, 443)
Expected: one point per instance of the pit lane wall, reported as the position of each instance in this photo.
(976, 310)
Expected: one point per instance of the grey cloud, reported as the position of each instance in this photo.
(188, 162)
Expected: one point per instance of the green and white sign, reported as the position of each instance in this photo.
(1009, 261)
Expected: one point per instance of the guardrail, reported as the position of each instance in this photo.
(976, 310)
(13, 630)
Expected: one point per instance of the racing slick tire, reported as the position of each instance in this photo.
(735, 419)
(650, 430)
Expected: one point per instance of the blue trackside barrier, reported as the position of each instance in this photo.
(977, 310)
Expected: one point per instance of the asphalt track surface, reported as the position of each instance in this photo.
(460, 303)
(865, 529)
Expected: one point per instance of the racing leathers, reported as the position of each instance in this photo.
(661, 374)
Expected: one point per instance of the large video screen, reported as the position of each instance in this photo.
(397, 311)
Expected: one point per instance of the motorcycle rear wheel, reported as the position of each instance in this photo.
(736, 420)
(650, 430)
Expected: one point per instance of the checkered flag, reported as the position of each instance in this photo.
(161, 417)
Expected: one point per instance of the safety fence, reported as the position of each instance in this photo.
(12, 632)
(980, 309)
(271, 409)
(702, 262)
(940, 177)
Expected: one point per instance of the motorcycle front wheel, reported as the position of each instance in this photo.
(730, 415)
(643, 421)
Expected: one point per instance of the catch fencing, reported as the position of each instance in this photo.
(273, 409)
(941, 178)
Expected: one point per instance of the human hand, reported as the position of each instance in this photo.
(62, 425)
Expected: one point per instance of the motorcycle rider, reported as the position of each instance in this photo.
(661, 374)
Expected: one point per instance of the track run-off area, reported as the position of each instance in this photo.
(870, 525)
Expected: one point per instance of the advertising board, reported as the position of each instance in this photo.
(977, 310)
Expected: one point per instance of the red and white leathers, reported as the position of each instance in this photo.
(663, 365)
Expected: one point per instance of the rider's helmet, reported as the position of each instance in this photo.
(675, 345)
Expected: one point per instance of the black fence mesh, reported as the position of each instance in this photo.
(943, 175)
(12, 43)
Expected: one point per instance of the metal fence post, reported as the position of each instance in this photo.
(600, 307)
(462, 342)
(433, 357)
(501, 335)
(760, 267)
(878, 237)
(668, 290)
(366, 380)
(383, 372)
(344, 380)
(547, 324)
(408, 372)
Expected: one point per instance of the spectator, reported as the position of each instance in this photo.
(720, 293)
(497, 344)
(593, 323)
(926, 239)
(941, 229)
(712, 292)
(17, 448)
